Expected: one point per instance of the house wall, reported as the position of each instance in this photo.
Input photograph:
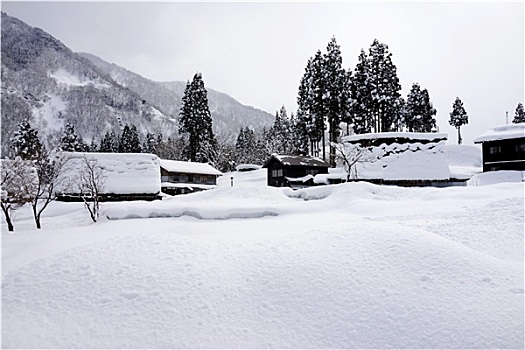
(277, 172)
(506, 154)
(177, 177)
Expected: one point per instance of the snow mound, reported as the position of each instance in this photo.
(364, 284)
(464, 155)
(254, 178)
(464, 161)
(495, 177)
(353, 265)
(221, 204)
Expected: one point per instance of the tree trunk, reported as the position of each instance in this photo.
(324, 155)
(36, 216)
(459, 136)
(10, 226)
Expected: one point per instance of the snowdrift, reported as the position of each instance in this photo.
(347, 266)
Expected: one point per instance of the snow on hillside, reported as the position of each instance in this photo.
(63, 77)
(345, 266)
(46, 114)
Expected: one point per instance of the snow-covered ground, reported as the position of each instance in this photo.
(464, 161)
(343, 266)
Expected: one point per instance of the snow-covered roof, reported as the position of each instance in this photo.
(503, 132)
(299, 160)
(398, 136)
(125, 173)
(177, 166)
(245, 167)
(401, 161)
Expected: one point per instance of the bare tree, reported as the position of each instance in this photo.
(18, 180)
(351, 155)
(90, 184)
(49, 169)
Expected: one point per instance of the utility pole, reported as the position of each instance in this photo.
(507, 117)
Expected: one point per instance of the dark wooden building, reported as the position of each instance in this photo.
(294, 171)
(178, 177)
(503, 148)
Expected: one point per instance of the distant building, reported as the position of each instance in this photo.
(247, 167)
(294, 171)
(399, 158)
(503, 148)
(178, 177)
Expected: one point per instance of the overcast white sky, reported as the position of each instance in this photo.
(256, 52)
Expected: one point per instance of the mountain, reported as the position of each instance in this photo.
(46, 82)
(228, 114)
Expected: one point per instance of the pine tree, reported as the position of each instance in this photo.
(318, 111)
(129, 140)
(195, 121)
(93, 147)
(125, 140)
(109, 143)
(245, 147)
(428, 122)
(335, 96)
(458, 117)
(519, 116)
(419, 112)
(310, 100)
(304, 118)
(240, 147)
(135, 141)
(26, 143)
(279, 136)
(70, 141)
(150, 144)
(361, 96)
(384, 88)
(300, 135)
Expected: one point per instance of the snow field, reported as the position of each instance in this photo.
(346, 266)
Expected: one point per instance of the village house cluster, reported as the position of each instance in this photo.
(398, 158)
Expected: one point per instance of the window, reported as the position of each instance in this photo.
(180, 178)
(520, 148)
(312, 172)
(277, 172)
(495, 149)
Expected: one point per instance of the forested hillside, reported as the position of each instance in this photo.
(49, 85)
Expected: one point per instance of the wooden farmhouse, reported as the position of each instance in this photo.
(178, 177)
(124, 176)
(294, 171)
(503, 148)
(399, 158)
